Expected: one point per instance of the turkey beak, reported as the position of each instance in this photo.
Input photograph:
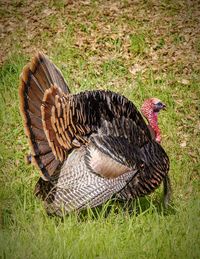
(164, 107)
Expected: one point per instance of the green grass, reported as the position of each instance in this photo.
(138, 44)
(144, 229)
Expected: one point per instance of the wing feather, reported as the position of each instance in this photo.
(82, 115)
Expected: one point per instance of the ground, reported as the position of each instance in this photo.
(139, 49)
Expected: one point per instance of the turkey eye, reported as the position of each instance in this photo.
(159, 104)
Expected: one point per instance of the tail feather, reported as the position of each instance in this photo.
(36, 78)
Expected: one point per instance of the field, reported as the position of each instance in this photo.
(139, 49)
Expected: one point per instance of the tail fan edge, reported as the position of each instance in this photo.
(37, 77)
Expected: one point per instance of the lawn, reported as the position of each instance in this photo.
(139, 49)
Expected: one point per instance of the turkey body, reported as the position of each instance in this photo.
(87, 146)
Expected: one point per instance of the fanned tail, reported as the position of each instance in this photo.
(36, 78)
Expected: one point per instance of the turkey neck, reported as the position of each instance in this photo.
(153, 126)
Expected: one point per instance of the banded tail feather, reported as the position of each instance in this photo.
(36, 79)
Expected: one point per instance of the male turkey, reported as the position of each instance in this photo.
(88, 146)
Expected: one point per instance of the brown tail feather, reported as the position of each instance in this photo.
(36, 78)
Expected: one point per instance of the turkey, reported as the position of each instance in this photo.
(89, 146)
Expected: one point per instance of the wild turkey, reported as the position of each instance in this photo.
(91, 145)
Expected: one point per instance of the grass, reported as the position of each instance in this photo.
(91, 56)
(138, 44)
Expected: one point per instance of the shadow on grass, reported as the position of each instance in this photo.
(136, 208)
(113, 207)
